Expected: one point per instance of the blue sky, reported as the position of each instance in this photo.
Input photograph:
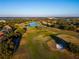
(39, 8)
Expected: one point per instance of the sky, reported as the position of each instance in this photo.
(39, 8)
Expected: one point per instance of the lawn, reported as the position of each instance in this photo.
(36, 48)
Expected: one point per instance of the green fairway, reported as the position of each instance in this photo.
(36, 45)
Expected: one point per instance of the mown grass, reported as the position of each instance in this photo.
(39, 51)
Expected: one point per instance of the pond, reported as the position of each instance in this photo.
(33, 24)
(60, 42)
